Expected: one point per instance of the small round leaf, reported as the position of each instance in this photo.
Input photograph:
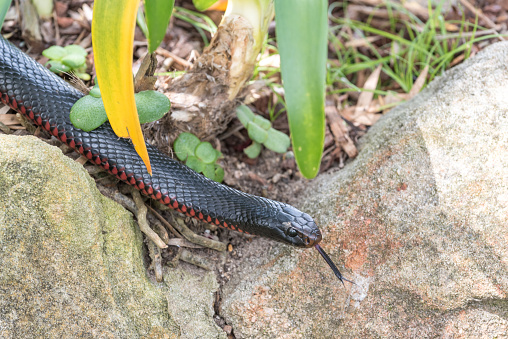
(185, 145)
(277, 141)
(256, 133)
(219, 154)
(209, 171)
(206, 153)
(244, 114)
(83, 76)
(73, 60)
(88, 113)
(76, 49)
(95, 91)
(195, 164)
(253, 150)
(262, 122)
(57, 67)
(219, 173)
(151, 105)
(54, 53)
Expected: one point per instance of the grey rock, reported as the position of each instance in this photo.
(72, 260)
(419, 221)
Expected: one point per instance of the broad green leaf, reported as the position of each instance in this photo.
(75, 49)
(4, 7)
(256, 133)
(112, 39)
(301, 27)
(209, 171)
(152, 105)
(203, 5)
(158, 13)
(244, 114)
(214, 172)
(57, 67)
(95, 91)
(262, 122)
(73, 60)
(253, 150)
(206, 153)
(84, 76)
(194, 163)
(219, 173)
(54, 52)
(277, 141)
(88, 113)
(185, 145)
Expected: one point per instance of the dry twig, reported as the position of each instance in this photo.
(142, 222)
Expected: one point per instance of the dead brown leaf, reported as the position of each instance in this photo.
(419, 82)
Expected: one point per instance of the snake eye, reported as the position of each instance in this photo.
(292, 232)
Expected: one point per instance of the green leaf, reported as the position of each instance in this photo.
(202, 5)
(44, 8)
(54, 52)
(195, 164)
(73, 60)
(209, 171)
(76, 49)
(219, 173)
(88, 113)
(158, 13)
(214, 172)
(256, 133)
(277, 141)
(185, 145)
(57, 67)
(244, 114)
(262, 122)
(95, 91)
(206, 153)
(83, 76)
(140, 20)
(4, 7)
(253, 150)
(151, 105)
(302, 29)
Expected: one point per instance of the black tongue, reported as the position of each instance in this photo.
(332, 265)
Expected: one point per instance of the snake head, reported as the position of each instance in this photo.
(294, 227)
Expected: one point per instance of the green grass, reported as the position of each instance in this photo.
(403, 51)
(201, 22)
(271, 76)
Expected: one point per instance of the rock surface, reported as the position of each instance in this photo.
(72, 260)
(419, 221)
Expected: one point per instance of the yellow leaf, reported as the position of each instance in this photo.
(112, 39)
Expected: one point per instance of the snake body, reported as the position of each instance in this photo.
(46, 100)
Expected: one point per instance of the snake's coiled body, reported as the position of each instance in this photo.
(46, 100)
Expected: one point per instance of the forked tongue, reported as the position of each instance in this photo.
(332, 265)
